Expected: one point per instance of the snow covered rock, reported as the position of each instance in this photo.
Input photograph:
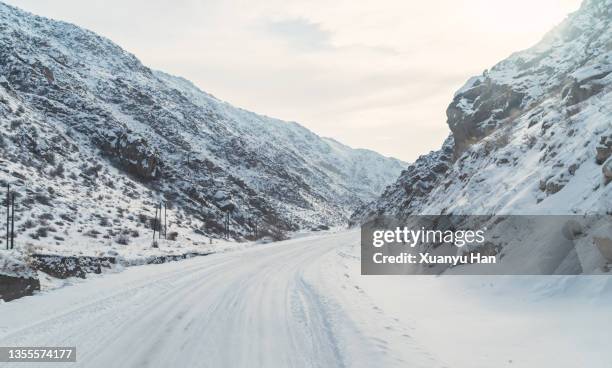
(412, 188)
(604, 149)
(607, 171)
(17, 279)
(68, 266)
(12, 287)
(476, 111)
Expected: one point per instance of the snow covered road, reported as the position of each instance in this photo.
(302, 303)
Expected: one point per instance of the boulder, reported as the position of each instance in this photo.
(576, 92)
(13, 287)
(553, 187)
(476, 112)
(604, 149)
(607, 171)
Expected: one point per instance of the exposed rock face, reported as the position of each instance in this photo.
(529, 134)
(173, 258)
(133, 154)
(413, 186)
(12, 287)
(17, 279)
(604, 149)
(65, 266)
(577, 91)
(477, 111)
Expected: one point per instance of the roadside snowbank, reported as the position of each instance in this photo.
(475, 321)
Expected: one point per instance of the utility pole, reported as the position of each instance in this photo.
(154, 225)
(227, 224)
(8, 214)
(165, 220)
(13, 223)
(189, 171)
(159, 233)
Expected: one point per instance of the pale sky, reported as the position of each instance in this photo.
(374, 74)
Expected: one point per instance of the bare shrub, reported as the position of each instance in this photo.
(16, 123)
(143, 218)
(530, 141)
(46, 216)
(104, 222)
(28, 224)
(173, 235)
(66, 217)
(122, 239)
(93, 170)
(42, 199)
(42, 232)
(50, 158)
(58, 171)
(278, 235)
(502, 139)
(93, 233)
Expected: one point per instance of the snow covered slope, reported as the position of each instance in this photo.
(92, 138)
(531, 135)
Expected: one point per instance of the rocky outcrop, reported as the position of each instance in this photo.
(604, 149)
(67, 266)
(133, 154)
(577, 91)
(413, 186)
(17, 278)
(478, 110)
(13, 287)
(174, 257)
(63, 267)
(607, 171)
(422, 176)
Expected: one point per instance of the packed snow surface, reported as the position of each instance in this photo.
(303, 303)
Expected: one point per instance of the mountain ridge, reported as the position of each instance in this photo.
(530, 135)
(80, 115)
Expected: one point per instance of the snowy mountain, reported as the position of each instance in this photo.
(531, 135)
(90, 135)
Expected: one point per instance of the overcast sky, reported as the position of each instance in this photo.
(372, 74)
